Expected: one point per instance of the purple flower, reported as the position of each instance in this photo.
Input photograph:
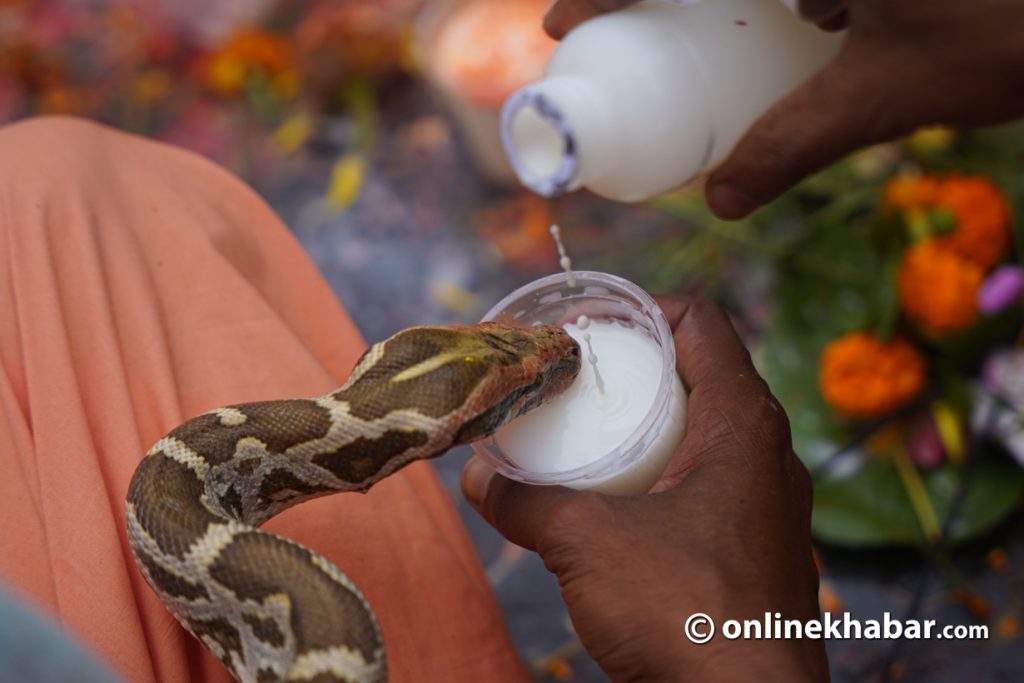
(925, 444)
(1001, 289)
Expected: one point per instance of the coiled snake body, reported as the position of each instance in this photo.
(268, 608)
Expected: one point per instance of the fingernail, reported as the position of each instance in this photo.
(476, 477)
(729, 202)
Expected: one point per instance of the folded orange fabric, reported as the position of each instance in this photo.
(141, 285)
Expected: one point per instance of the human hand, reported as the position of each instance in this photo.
(564, 15)
(726, 533)
(904, 64)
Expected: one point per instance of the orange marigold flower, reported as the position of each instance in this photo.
(861, 376)
(908, 192)
(982, 232)
(981, 216)
(248, 51)
(338, 40)
(259, 50)
(939, 287)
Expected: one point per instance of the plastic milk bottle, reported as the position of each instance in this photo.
(642, 100)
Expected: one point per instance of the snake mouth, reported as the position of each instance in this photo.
(556, 365)
(559, 360)
(562, 373)
(553, 364)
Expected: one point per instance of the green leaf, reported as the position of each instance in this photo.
(870, 507)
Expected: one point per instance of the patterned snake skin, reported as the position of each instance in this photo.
(268, 608)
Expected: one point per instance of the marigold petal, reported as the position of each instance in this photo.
(861, 376)
(939, 287)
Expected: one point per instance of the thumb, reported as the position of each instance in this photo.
(845, 106)
(520, 512)
(565, 15)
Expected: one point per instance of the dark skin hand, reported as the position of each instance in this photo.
(726, 531)
(904, 64)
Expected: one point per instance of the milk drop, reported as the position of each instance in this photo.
(564, 261)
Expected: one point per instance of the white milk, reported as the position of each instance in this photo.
(584, 423)
(639, 101)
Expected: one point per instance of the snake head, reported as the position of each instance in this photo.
(547, 354)
(529, 366)
(472, 378)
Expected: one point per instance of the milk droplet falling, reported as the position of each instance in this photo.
(582, 323)
(563, 259)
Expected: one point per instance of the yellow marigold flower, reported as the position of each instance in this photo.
(939, 287)
(225, 74)
(931, 139)
(862, 376)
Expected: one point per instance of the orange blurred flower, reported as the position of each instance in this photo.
(982, 232)
(519, 229)
(1008, 626)
(939, 287)
(862, 376)
(247, 53)
(337, 41)
(557, 668)
(151, 86)
(64, 100)
(907, 192)
(981, 217)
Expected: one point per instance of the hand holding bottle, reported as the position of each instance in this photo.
(904, 64)
(727, 533)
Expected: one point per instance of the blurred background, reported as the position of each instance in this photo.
(882, 298)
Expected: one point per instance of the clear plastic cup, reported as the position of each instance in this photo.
(635, 465)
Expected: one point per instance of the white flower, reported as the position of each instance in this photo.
(999, 401)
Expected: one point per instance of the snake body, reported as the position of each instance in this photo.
(271, 609)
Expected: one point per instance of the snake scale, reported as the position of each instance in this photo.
(268, 608)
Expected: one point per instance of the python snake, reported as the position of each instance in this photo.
(268, 608)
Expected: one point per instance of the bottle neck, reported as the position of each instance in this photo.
(557, 134)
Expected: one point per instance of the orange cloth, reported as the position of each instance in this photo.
(141, 285)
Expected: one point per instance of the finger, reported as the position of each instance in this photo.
(820, 11)
(731, 413)
(844, 107)
(709, 353)
(521, 513)
(837, 22)
(565, 15)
